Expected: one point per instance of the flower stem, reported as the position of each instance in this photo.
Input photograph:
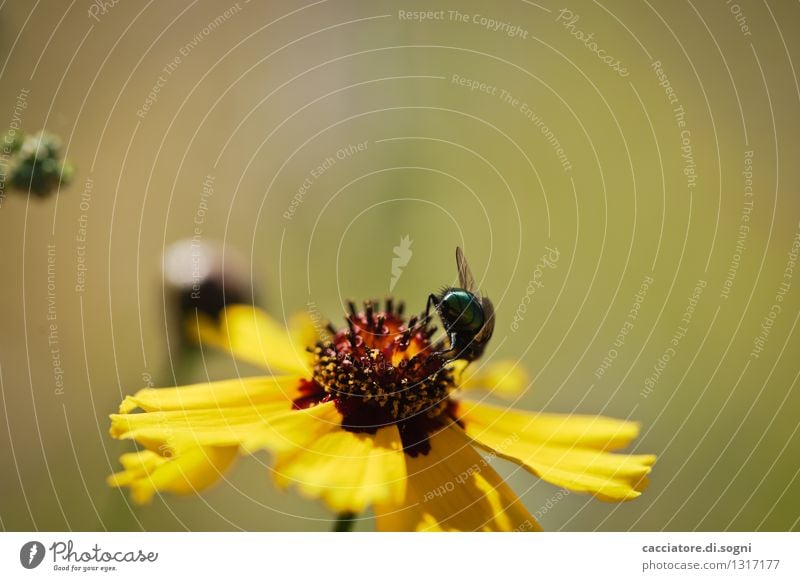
(345, 522)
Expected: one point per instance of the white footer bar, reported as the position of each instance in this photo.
(408, 557)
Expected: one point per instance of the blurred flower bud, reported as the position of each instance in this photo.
(34, 163)
(204, 277)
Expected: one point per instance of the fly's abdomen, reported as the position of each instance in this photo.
(462, 311)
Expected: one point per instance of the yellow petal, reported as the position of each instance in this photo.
(554, 429)
(609, 477)
(452, 488)
(184, 472)
(207, 427)
(188, 449)
(251, 335)
(136, 464)
(305, 329)
(505, 378)
(347, 471)
(216, 394)
(288, 431)
(572, 457)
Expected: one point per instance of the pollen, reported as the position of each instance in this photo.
(383, 366)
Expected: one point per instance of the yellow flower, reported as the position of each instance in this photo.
(369, 416)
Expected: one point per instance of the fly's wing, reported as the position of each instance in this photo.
(468, 283)
(464, 274)
(488, 325)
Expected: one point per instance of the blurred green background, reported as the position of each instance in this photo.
(556, 149)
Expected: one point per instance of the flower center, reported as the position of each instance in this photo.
(379, 370)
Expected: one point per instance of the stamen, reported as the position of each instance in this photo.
(375, 377)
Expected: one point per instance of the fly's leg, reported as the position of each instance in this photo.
(433, 300)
